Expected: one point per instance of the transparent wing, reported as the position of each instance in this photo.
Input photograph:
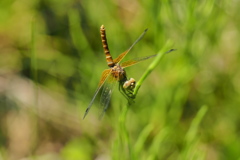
(135, 61)
(104, 76)
(140, 59)
(106, 94)
(122, 55)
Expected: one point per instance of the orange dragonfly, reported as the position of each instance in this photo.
(114, 74)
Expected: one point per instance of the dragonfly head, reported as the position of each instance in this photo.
(129, 84)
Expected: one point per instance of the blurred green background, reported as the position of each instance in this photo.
(52, 59)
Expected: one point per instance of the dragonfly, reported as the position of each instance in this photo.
(115, 73)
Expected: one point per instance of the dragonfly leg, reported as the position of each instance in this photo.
(127, 93)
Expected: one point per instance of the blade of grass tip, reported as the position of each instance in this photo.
(191, 136)
(192, 132)
(156, 61)
(157, 142)
(139, 145)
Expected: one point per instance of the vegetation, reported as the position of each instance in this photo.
(51, 61)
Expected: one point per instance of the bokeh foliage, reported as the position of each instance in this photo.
(52, 59)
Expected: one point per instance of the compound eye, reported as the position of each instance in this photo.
(130, 84)
(126, 84)
(133, 84)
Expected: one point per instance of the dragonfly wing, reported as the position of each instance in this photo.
(106, 94)
(104, 76)
(140, 59)
(135, 61)
(121, 56)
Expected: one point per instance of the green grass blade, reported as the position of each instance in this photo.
(190, 150)
(156, 61)
(139, 145)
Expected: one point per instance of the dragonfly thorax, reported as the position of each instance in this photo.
(118, 72)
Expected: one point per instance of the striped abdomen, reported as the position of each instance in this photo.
(105, 47)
